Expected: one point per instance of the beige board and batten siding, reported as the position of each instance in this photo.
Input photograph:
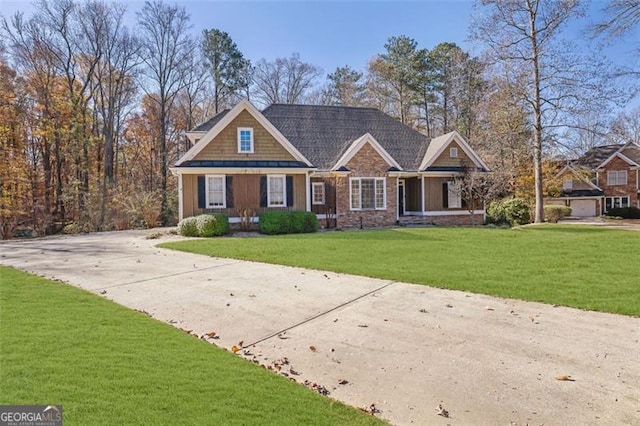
(225, 145)
(445, 160)
(246, 195)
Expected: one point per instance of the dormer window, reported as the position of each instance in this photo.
(453, 152)
(245, 140)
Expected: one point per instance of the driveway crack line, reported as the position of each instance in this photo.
(165, 276)
(348, 302)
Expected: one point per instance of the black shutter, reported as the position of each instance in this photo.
(263, 191)
(202, 196)
(229, 191)
(445, 195)
(289, 181)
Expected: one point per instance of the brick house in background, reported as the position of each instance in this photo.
(351, 166)
(603, 178)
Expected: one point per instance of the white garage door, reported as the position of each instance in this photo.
(583, 208)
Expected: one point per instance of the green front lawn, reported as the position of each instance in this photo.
(581, 266)
(110, 365)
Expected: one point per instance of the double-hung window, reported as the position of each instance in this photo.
(317, 193)
(368, 193)
(617, 177)
(245, 140)
(276, 191)
(454, 201)
(453, 152)
(216, 192)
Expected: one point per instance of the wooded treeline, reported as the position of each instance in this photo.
(93, 112)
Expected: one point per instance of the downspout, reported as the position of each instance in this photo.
(180, 198)
(308, 190)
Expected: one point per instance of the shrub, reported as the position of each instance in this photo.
(280, 222)
(303, 222)
(188, 227)
(510, 211)
(625, 212)
(212, 225)
(554, 213)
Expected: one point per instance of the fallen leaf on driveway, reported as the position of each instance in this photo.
(212, 335)
(312, 348)
(565, 378)
(424, 311)
(363, 325)
(487, 308)
(441, 411)
(235, 349)
(282, 336)
(343, 382)
(449, 305)
(372, 409)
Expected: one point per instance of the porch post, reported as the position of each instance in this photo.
(180, 198)
(308, 190)
(422, 194)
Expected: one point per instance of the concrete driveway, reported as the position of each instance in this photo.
(405, 348)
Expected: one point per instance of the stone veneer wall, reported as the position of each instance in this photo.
(366, 163)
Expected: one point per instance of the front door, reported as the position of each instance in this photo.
(400, 197)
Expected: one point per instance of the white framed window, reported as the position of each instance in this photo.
(216, 192)
(276, 191)
(454, 201)
(617, 177)
(245, 140)
(317, 193)
(615, 202)
(368, 193)
(453, 152)
(567, 185)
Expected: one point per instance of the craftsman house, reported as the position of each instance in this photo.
(351, 166)
(603, 178)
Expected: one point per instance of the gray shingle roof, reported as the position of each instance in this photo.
(323, 133)
(632, 152)
(595, 156)
(207, 125)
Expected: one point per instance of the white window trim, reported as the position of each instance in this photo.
(620, 197)
(284, 190)
(377, 181)
(314, 187)
(613, 181)
(452, 195)
(453, 152)
(250, 130)
(224, 191)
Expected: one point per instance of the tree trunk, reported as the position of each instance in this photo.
(537, 125)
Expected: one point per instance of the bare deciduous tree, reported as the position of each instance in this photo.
(285, 80)
(167, 52)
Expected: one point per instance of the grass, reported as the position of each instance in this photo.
(110, 365)
(580, 266)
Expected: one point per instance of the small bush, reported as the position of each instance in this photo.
(212, 225)
(554, 213)
(188, 227)
(510, 211)
(625, 212)
(280, 222)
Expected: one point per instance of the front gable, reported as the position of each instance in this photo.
(438, 154)
(221, 142)
(572, 179)
(365, 152)
(224, 146)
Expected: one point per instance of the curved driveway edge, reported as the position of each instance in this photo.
(404, 348)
